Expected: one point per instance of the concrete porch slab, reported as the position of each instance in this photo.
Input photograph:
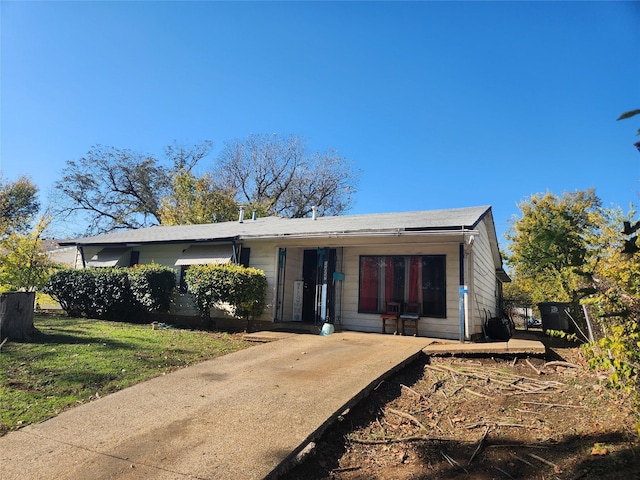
(436, 346)
(515, 346)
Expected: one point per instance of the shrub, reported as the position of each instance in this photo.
(112, 293)
(96, 293)
(243, 288)
(152, 286)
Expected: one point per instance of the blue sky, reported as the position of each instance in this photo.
(440, 104)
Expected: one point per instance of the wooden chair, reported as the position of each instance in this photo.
(410, 317)
(390, 317)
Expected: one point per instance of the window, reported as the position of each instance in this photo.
(403, 278)
(183, 283)
(245, 253)
(135, 258)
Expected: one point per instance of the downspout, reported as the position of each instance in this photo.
(81, 248)
(463, 291)
(469, 285)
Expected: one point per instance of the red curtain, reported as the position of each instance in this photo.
(415, 282)
(388, 280)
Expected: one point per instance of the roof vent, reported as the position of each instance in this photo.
(241, 218)
(254, 217)
(314, 212)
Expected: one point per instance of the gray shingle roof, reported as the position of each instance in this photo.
(274, 227)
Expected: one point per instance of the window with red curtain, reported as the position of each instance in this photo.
(398, 278)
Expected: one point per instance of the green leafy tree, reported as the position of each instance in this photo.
(551, 244)
(24, 265)
(196, 200)
(616, 299)
(18, 205)
(616, 303)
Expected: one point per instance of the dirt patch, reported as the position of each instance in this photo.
(483, 418)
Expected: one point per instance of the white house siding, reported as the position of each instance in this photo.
(436, 327)
(483, 282)
(65, 256)
(166, 255)
(264, 256)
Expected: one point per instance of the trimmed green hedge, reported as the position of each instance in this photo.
(152, 286)
(243, 288)
(113, 293)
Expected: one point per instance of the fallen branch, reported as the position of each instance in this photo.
(407, 416)
(346, 469)
(497, 424)
(482, 375)
(3, 342)
(545, 461)
(437, 369)
(477, 394)
(456, 391)
(453, 462)
(448, 459)
(536, 390)
(558, 363)
(514, 445)
(412, 438)
(534, 368)
(527, 411)
(503, 472)
(556, 405)
(475, 452)
(522, 460)
(418, 394)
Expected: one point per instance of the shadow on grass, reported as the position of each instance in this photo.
(67, 336)
(68, 331)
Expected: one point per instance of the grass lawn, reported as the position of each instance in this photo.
(76, 360)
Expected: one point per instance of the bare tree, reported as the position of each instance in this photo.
(275, 175)
(122, 189)
(111, 189)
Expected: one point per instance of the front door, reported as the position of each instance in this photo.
(318, 292)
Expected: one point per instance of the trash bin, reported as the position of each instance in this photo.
(554, 316)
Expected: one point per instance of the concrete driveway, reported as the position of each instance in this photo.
(241, 416)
